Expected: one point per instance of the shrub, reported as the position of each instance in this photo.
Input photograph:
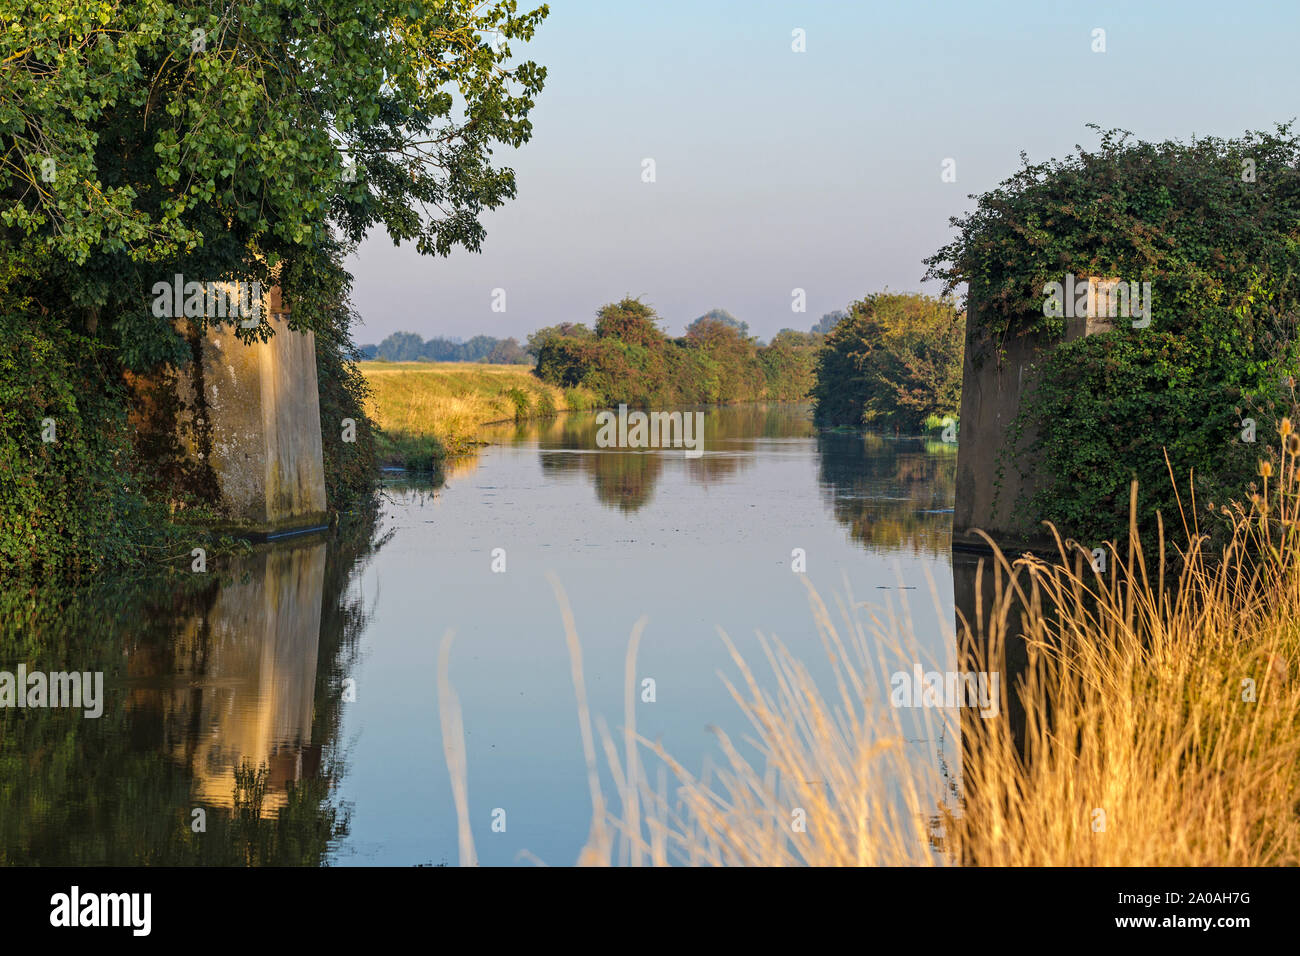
(523, 406)
(895, 359)
(67, 505)
(350, 467)
(1212, 225)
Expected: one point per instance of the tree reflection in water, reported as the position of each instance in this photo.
(625, 478)
(890, 493)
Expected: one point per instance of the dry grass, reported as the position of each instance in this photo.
(451, 401)
(1160, 726)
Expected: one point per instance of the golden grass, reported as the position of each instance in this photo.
(1161, 725)
(451, 401)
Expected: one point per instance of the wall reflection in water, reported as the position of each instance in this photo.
(224, 694)
(242, 678)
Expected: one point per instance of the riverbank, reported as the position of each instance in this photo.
(427, 412)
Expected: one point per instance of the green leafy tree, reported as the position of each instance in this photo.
(506, 352)
(630, 321)
(149, 137)
(723, 317)
(401, 347)
(537, 340)
(893, 361)
(630, 360)
(255, 141)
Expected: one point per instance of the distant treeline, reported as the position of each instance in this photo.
(409, 347)
(627, 358)
(891, 360)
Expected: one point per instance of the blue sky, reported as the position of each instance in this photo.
(820, 170)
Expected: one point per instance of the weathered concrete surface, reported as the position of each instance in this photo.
(993, 391)
(252, 413)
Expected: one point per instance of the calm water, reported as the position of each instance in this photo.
(293, 700)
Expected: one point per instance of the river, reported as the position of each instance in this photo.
(286, 710)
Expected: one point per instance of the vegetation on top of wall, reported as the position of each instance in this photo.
(1211, 224)
(1214, 226)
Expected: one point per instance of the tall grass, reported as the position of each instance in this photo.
(1160, 723)
(450, 401)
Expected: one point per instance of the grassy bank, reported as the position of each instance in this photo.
(428, 411)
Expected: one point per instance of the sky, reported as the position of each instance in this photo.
(820, 170)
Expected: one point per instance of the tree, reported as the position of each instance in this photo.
(401, 347)
(829, 321)
(793, 338)
(894, 360)
(256, 142)
(725, 318)
(630, 321)
(506, 352)
(538, 340)
(333, 118)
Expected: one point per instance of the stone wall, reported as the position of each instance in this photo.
(263, 424)
(994, 389)
(243, 421)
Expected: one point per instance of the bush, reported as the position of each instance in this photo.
(1109, 409)
(894, 360)
(1212, 226)
(68, 505)
(350, 467)
(523, 405)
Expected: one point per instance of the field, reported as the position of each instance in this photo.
(435, 409)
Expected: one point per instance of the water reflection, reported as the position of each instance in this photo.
(226, 692)
(224, 696)
(625, 479)
(890, 493)
(240, 679)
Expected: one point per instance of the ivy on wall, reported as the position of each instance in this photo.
(1213, 226)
